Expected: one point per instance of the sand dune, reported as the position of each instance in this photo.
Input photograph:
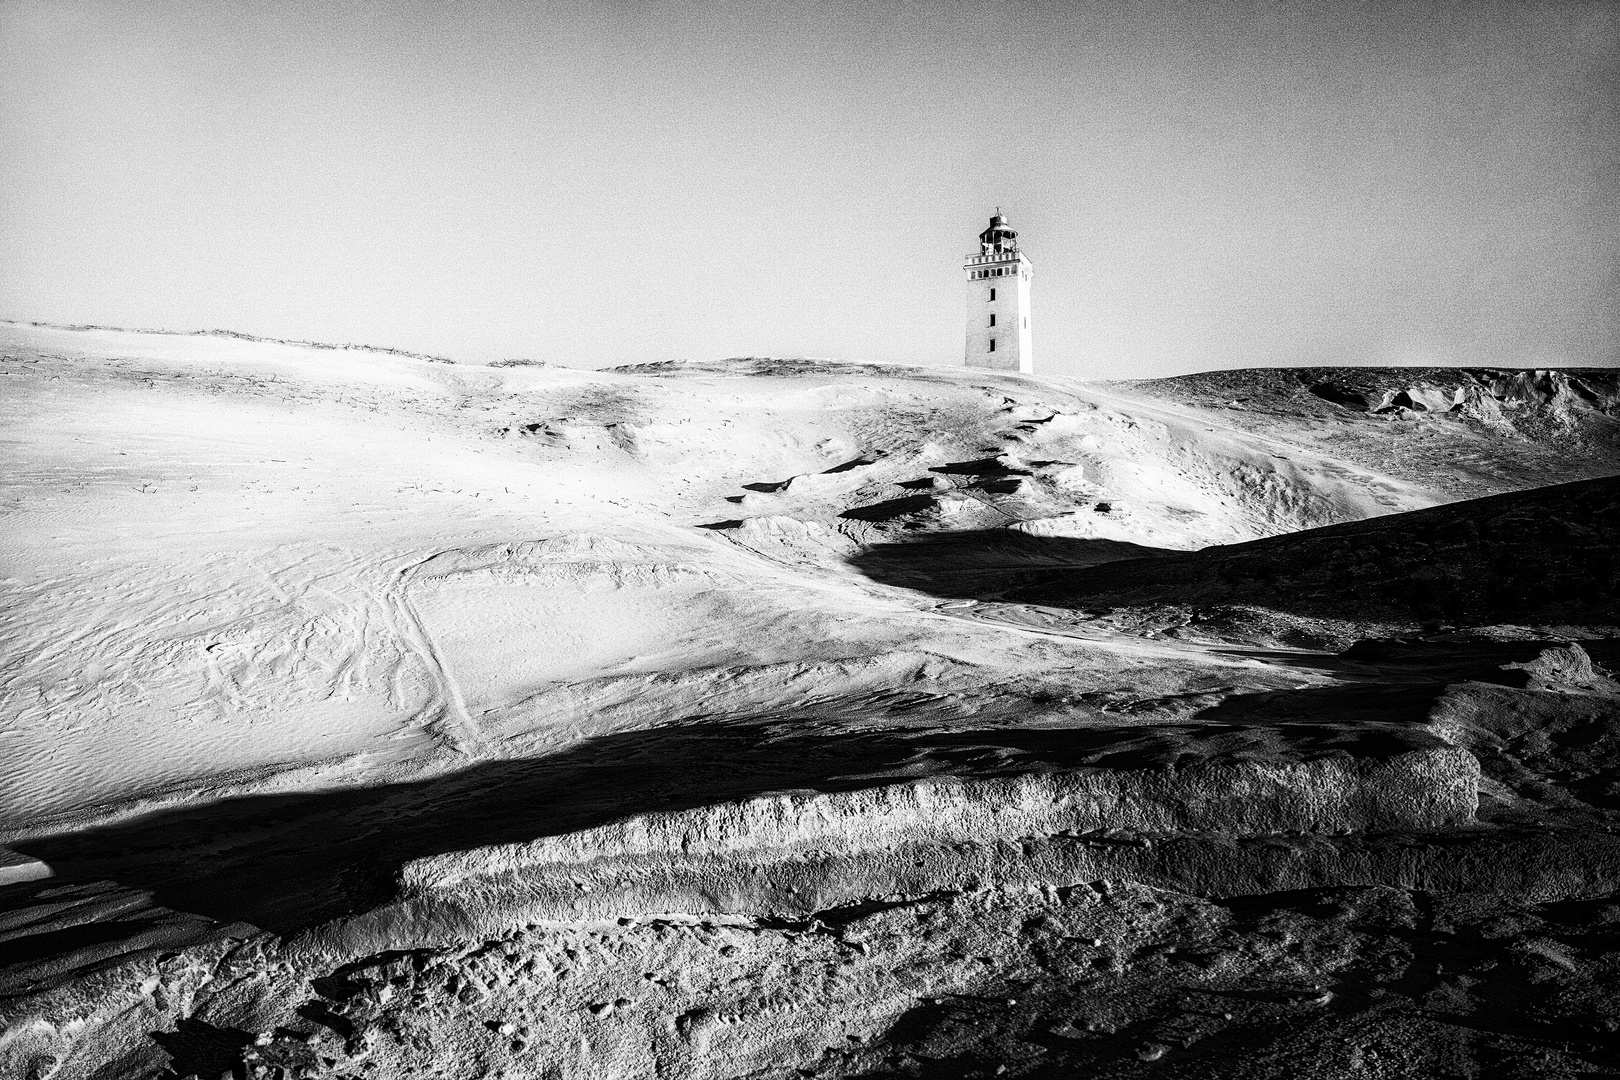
(354, 698)
(230, 558)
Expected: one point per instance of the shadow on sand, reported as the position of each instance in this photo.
(1539, 557)
(284, 862)
(983, 564)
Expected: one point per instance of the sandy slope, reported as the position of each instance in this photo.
(234, 564)
(383, 653)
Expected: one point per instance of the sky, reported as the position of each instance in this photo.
(1198, 185)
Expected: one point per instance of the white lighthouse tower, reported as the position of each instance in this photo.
(998, 301)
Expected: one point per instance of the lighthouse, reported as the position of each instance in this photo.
(998, 301)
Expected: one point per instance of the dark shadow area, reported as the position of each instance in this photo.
(1483, 661)
(1390, 680)
(889, 509)
(1544, 557)
(200, 1049)
(284, 862)
(319, 1012)
(982, 564)
(53, 929)
(31, 947)
(1417, 657)
(980, 467)
(1350, 399)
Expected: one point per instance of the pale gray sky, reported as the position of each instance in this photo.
(1198, 184)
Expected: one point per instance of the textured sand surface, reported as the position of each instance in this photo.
(366, 713)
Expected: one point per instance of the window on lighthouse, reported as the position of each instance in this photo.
(992, 294)
(992, 318)
(992, 344)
